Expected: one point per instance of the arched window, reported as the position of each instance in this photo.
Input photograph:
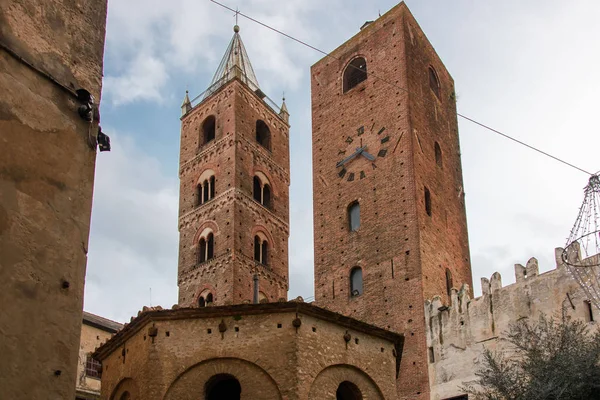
(348, 391)
(438, 155)
(206, 247)
(261, 250)
(261, 191)
(222, 387)
(205, 299)
(208, 130)
(355, 73)
(206, 187)
(125, 396)
(209, 299)
(356, 282)
(427, 201)
(434, 82)
(354, 216)
(201, 302)
(263, 134)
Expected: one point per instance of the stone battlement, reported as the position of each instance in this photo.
(458, 332)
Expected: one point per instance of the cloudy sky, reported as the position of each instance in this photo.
(527, 68)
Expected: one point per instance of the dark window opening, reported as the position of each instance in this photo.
(355, 73)
(201, 302)
(125, 396)
(257, 190)
(256, 248)
(210, 246)
(427, 201)
(266, 200)
(438, 155)
(92, 367)
(589, 310)
(348, 391)
(264, 253)
(261, 250)
(202, 251)
(206, 190)
(206, 249)
(263, 134)
(209, 299)
(208, 129)
(356, 282)
(223, 387)
(354, 216)
(431, 355)
(206, 196)
(212, 187)
(434, 82)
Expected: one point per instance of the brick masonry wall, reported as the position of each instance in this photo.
(269, 356)
(233, 215)
(46, 184)
(398, 259)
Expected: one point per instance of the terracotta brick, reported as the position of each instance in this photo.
(402, 251)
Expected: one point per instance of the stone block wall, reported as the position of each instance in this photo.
(48, 49)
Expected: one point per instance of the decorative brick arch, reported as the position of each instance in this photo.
(212, 225)
(328, 380)
(207, 171)
(264, 231)
(125, 385)
(256, 383)
(269, 177)
(203, 288)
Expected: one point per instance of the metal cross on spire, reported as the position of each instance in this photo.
(237, 12)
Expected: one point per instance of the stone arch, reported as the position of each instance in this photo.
(256, 383)
(126, 385)
(329, 379)
(203, 290)
(207, 173)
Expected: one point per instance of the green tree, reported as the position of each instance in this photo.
(549, 360)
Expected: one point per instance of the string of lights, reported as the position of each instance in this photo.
(472, 120)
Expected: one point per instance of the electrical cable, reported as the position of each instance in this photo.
(237, 12)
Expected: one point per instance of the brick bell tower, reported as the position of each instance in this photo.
(234, 190)
(389, 211)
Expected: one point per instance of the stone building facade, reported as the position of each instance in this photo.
(288, 350)
(386, 154)
(95, 330)
(458, 334)
(48, 50)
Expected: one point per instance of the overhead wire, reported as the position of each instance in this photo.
(480, 124)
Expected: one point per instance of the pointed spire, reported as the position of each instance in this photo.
(235, 63)
(283, 112)
(187, 104)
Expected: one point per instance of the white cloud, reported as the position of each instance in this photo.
(133, 241)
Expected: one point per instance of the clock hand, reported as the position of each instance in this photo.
(368, 156)
(350, 157)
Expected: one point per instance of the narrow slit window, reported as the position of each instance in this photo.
(257, 249)
(434, 83)
(266, 197)
(356, 282)
(355, 73)
(449, 283)
(257, 189)
(210, 246)
(438, 155)
(202, 251)
(209, 299)
(589, 311)
(354, 216)
(427, 201)
(212, 187)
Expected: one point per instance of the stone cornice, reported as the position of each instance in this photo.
(228, 197)
(206, 153)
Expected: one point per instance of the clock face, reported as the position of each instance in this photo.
(361, 152)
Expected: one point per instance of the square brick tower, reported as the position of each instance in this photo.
(389, 212)
(234, 190)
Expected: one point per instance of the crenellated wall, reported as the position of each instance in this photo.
(457, 333)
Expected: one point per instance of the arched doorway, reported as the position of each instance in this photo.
(348, 391)
(223, 387)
